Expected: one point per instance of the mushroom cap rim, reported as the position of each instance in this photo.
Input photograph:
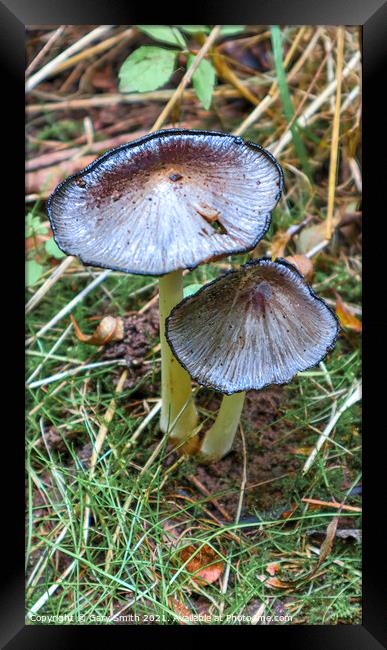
(133, 143)
(282, 262)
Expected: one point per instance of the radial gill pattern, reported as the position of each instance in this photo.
(250, 328)
(168, 201)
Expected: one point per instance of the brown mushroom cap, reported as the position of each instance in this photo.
(250, 328)
(168, 201)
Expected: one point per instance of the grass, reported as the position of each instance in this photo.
(106, 540)
(145, 568)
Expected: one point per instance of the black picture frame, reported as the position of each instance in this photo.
(372, 16)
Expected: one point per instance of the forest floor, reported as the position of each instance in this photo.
(120, 528)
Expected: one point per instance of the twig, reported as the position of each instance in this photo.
(111, 99)
(331, 504)
(49, 283)
(51, 67)
(70, 306)
(143, 424)
(273, 93)
(51, 590)
(74, 371)
(44, 49)
(316, 249)
(335, 134)
(353, 397)
(50, 353)
(316, 104)
(214, 501)
(303, 101)
(186, 79)
(95, 49)
(54, 157)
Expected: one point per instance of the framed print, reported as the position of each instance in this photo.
(194, 309)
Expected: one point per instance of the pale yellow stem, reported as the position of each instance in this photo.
(176, 390)
(218, 440)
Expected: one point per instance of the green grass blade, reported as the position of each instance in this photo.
(286, 99)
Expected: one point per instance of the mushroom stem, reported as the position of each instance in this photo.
(176, 389)
(218, 440)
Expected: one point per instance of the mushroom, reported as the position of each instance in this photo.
(163, 203)
(247, 329)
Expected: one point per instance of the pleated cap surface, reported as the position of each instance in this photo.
(168, 201)
(251, 328)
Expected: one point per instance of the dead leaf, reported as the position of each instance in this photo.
(109, 329)
(303, 264)
(326, 546)
(276, 582)
(203, 565)
(179, 609)
(279, 243)
(301, 451)
(347, 319)
(45, 180)
(314, 235)
(342, 533)
(272, 568)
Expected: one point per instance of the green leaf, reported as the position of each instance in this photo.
(53, 250)
(230, 30)
(34, 271)
(147, 68)
(191, 289)
(194, 29)
(203, 80)
(163, 33)
(34, 226)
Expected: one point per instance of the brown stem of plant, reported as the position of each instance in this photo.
(186, 79)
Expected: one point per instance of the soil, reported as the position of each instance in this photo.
(141, 333)
(269, 457)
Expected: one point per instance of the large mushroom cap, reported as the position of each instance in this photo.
(167, 201)
(250, 328)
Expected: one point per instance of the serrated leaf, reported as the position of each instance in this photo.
(203, 80)
(147, 68)
(164, 34)
(230, 30)
(53, 250)
(191, 289)
(34, 271)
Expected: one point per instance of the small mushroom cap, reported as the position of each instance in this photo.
(168, 201)
(250, 328)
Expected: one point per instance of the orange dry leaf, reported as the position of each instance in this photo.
(179, 609)
(303, 264)
(275, 582)
(301, 451)
(326, 546)
(109, 329)
(203, 565)
(273, 568)
(346, 318)
(279, 243)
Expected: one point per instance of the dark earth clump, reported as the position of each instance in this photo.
(269, 457)
(141, 333)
